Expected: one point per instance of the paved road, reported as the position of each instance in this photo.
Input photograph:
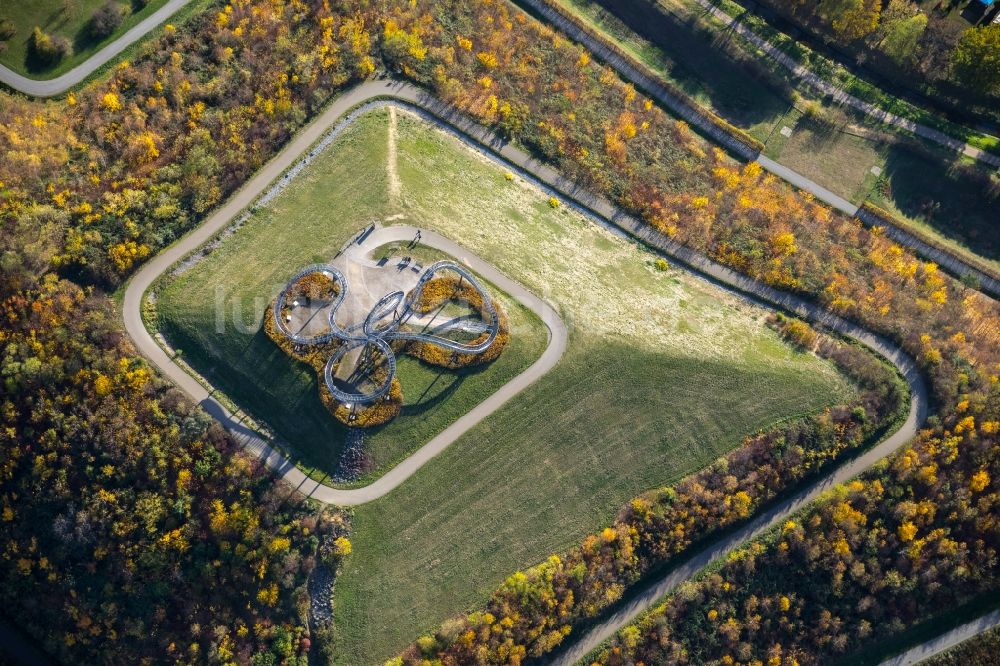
(60, 84)
(589, 203)
(945, 641)
(803, 183)
(843, 97)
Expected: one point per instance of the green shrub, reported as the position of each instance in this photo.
(7, 29)
(106, 19)
(816, 112)
(799, 333)
(427, 645)
(47, 50)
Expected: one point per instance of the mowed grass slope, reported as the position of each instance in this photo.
(663, 374)
(213, 312)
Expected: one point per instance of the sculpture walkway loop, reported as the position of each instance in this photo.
(493, 325)
(383, 325)
(280, 302)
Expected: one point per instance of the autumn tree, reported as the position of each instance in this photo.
(7, 29)
(403, 48)
(47, 50)
(852, 19)
(976, 59)
(900, 30)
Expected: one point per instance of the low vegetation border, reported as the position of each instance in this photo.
(928, 246)
(905, 115)
(948, 115)
(972, 643)
(614, 54)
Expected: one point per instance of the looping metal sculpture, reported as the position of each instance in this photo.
(388, 320)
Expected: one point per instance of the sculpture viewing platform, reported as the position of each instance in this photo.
(349, 318)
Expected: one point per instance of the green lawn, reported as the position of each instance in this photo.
(663, 374)
(919, 180)
(309, 222)
(845, 167)
(66, 18)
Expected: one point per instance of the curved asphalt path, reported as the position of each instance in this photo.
(60, 84)
(945, 641)
(225, 215)
(597, 207)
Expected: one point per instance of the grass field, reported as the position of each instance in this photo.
(847, 159)
(663, 374)
(919, 180)
(66, 18)
(309, 222)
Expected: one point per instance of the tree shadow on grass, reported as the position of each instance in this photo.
(53, 24)
(302, 419)
(85, 39)
(273, 389)
(957, 200)
(819, 135)
(445, 383)
(740, 90)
